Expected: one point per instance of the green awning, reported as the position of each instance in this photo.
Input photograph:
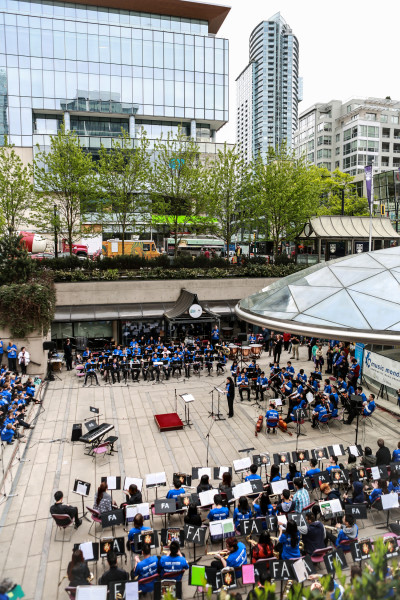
(166, 220)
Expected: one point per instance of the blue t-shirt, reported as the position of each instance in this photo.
(146, 568)
(396, 455)
(329, 469)
(172, 564)
(217, 514)
(238, 516)
(258, 513)
(12, 351)
(175, 493)
(252, 476)
(1, 347)
(312, 472)
(287, 550)
(237, 559)
(272, 415)
(134, 531)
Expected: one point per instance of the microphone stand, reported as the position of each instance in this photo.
(208, 440)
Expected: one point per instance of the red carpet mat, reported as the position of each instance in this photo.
(168, 422)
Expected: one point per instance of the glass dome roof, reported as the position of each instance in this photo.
(354, 297)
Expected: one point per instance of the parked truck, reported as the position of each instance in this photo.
(144, 248)
(36, 245)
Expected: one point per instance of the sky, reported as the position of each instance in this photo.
(347, 48)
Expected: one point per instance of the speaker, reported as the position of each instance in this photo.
(49, 345)
(242, 337)
(76, 432)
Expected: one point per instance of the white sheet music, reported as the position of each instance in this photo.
(375, 473)
(278, 401)
(156, 478)
(336, 505)
(310, 397)
(221, 527)
(220, 391)
(354, 450)
(222, 470)
(187, 397)
(207, 498)
(131, 590)
(81, 489)
(279, 486)
(282, 520)
(337, 450)
(390, 501)
(242, 489)
(300, 570)
(87, 550)
(204, 471)
(91, 592)
(242, 464)
(133, 509)
(112, 482)
(135, 481)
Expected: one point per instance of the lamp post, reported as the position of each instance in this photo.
(55, 232)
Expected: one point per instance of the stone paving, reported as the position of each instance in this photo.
(49, 461)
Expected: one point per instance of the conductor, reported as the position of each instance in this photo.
(230, 392)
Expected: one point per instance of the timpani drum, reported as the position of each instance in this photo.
(246, 351)
(233, 351)
(256, 350)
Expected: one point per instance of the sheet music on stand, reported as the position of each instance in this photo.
(131, 510)
(219, 471)
(133, 481)
(242, 489)
(81, 487)
(113, 483)
(87, 550)
(242, 464)
(219, 390)
(198, 472)
(207, 498)
(187, 397)
(277, 401)
(222, 528)
(91, 592)
(156, 479)
(390, 501)
(279, 486)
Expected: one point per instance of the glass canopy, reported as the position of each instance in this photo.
(355, 297)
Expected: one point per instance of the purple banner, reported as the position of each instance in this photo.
(368, 183)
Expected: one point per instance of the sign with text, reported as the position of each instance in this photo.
(195, 534)
(384, 370)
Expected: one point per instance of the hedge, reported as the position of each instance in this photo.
(182, 273)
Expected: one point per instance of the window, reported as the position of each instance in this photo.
(338, 137)
(324, 140)
(325, 153)
(350, 147)
(370, 116)
(337, 151)
(350, 133)
(384, 118)
(394, 120)
(369, 131)
(324, 127)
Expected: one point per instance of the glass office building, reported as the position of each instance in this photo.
(101, 67)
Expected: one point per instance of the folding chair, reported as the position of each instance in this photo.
(323, 423)
(149, 579)
(308, 507)
(101, 450)
(345, 545)
(317, 556)
(62, 522)
(376, 507)
(273, 424)
(95, 514)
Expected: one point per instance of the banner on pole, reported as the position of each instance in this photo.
(368, 183)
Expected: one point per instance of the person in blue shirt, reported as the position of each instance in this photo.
(293, 472)
(138, 527)
(348, 532)
(302, 377)
(1, 351)
(86, 353)
(236, 558)
(360, 392)
(341, 384)
(319, 413)
(12, 356)
(177, 489)
(253, 473)
(218, 512)
(290, 368)
(252, 338)
(173, 563)
(289, 541)
(275, 474)
(369, 406)
(117, 351)
(242, 511)
(394, 485)
(327, 387)
(7, 434)
(144, 568)
(287, 385)
(332, 405)
(90, 371)
(243, 385)
(396, 454)
(262, 385)
(215, 334)
(262, 505)
(333, 464)
(376, 492)
(272, 417)
(311, 472)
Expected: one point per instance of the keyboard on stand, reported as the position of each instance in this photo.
(95, 436)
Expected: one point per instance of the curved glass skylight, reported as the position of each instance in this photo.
(354, 297)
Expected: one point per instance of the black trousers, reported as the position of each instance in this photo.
(12, 364)
(230, 405)
(115, 374)
(245, 390)
(23, 368)
(68, 362)
(91, 374)
(277, 355)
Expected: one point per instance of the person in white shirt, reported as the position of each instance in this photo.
(23, 360)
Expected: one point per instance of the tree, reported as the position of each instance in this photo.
(334, 185)
(65, 177)
(227, 191)
(123, 172)
(177, 186)
(16, 189)
(287, 191)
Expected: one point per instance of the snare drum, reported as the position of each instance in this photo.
(246, 351)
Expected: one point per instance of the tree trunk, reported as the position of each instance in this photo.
(176, 239)
(123, 241)
(70, 240)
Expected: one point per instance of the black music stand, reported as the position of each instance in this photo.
(299, 415)
(358, 403)
(217, 416)
(82, 488)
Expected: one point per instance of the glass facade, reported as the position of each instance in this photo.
(77, 58)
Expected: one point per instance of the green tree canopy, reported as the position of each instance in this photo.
(287, 192)
(16, 190)
(65, 177)
(177, 186)
(229, 194)
(123, 172)
(333, 186)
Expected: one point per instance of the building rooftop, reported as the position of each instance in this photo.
(215, 14)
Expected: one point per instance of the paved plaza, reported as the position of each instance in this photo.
(50, 461)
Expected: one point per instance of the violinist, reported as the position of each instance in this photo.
(287, 387)
(261, 386)
(319, 413)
